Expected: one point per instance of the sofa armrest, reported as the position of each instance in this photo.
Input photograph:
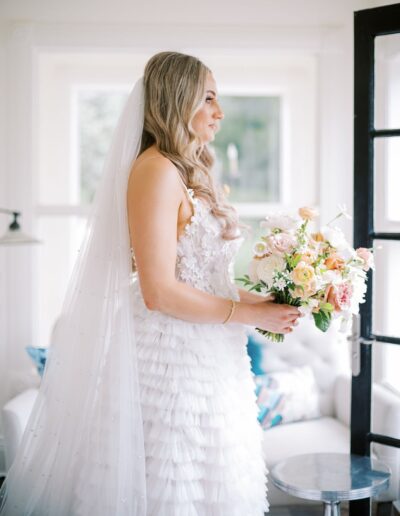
(342, 398)
(15, 414)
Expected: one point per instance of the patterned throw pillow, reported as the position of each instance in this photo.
(287, 396)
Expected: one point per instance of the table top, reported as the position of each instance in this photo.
(331, 476)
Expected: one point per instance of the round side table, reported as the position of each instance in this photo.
(331, 478)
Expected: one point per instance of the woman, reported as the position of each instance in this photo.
(146, 406)
(202, 437)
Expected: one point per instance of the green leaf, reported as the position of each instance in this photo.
(326, 307)
(296, 260)
(322, 320)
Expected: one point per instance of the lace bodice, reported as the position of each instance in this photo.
(204, 259)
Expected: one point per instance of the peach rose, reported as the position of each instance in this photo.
(309, 256)
(339, 296)
(303, 274)
(308, 213)
(305, 292)
(366, 256)
(334, 261)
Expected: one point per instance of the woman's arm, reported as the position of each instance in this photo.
(251, 297)
(153, 198)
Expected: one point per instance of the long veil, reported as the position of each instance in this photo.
(82, 452)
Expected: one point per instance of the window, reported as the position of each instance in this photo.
(247, 148)
(97, 115)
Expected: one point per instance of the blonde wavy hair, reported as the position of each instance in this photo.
(174, 89)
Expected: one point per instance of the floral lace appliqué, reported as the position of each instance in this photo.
(204, 258)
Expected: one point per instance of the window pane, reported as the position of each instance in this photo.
(247, 148)
(61, 238)
(98, 113)
(386, 288)
(387, 184)
(387, 81)
(391, 364)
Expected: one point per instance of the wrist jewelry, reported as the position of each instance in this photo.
(233, 306)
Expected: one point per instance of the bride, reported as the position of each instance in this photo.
(147, 404)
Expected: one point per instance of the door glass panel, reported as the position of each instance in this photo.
(386, 288)
(387, 82)
(390, 354)
(387, 184)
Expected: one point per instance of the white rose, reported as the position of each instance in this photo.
(308, 306)
(335, 237)
(332, 276)
(267, 267)
(359, 290)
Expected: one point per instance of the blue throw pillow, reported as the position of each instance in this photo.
(255, 352)
(39, 356)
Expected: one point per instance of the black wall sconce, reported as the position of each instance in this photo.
(14, 235)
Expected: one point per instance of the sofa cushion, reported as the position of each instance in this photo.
(324, 434)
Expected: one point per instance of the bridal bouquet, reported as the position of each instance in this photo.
(317, 271)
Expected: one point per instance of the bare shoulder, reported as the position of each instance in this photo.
(154, 173)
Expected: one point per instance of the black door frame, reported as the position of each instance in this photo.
(368, 24)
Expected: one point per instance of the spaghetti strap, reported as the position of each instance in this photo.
(189, 191)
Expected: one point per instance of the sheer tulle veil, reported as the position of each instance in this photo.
(82, 452)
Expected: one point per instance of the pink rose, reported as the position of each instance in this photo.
(281, 243)
(339, 296)
(366, 256)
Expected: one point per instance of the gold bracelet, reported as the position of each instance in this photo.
(233, 306)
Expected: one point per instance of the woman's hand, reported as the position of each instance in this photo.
(275, 317)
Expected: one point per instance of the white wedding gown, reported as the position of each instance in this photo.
(202, 438)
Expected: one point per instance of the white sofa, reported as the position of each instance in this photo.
(328, 355)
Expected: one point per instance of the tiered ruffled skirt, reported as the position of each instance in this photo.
(202, 438)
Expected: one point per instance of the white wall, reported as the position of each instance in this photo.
(321, 28)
